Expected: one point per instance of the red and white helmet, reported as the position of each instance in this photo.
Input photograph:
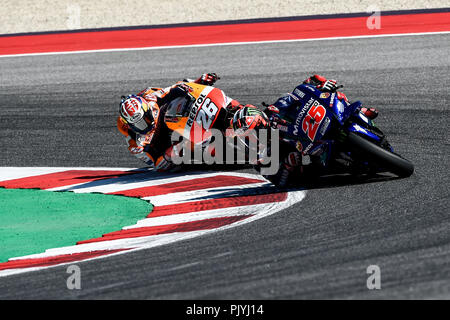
(139, 114)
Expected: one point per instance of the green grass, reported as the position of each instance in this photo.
(32, 220)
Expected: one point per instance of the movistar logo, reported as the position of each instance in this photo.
(301, 115)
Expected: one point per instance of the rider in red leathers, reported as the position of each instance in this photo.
(141, 121)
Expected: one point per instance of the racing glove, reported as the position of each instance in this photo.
(328, 86)
(322, 83)
(164, 162)
(138, 152)
(272, 113)
(234, 106)
(207, 79)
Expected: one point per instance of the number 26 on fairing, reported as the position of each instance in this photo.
(207, 113)
(312, 120)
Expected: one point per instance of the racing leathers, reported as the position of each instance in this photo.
(155, 146)
(291, 161)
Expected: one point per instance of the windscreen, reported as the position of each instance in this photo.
(179, 107)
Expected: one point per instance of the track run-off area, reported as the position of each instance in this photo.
(184, 206)
(58, 119)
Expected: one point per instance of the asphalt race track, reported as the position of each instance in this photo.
(60, 110)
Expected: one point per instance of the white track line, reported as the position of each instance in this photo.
(223, 44)
(201, 215)
(197, 195)
(130, 182)
(11, 173)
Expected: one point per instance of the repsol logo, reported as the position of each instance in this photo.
(194, 109)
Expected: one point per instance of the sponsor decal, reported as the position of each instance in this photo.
(249, 121)
(359, 128)
(340, 106)
(332, 99)
(301, 114)
(307, 104)
(194, 109)
(299, 146)
(186, 87)
(325, 95)
(308, 148)
(299, 93)
(282, 128)
(293, 96)
(325, 125)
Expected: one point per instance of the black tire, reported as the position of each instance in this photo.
(388, 160)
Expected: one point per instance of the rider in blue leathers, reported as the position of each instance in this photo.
(291, 164)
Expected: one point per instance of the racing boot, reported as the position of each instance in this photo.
(290, 168)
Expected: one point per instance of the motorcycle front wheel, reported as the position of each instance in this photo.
(390, 161)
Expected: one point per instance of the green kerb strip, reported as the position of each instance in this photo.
(32, 220)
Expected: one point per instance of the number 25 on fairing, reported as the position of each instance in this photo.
(312, 120)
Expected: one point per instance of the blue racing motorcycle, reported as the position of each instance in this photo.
(335, 135)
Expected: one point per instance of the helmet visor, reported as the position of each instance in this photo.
(143, 124)
(139, 123)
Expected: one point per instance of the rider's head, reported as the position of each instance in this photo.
(139, 114)
(247, 123)
(247, 119)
